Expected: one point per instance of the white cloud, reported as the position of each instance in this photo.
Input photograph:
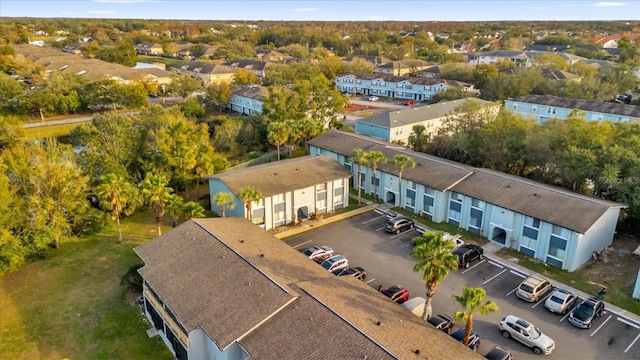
(308, 9)
(608, 4)
(102, 12)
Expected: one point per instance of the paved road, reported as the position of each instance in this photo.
(385, 258)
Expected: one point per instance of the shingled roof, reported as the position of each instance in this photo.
(255, 92)
(554, 205)
(584, 105)
(240, 283)
(282, 176)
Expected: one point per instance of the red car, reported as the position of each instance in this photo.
(409, 103)
(396, 293)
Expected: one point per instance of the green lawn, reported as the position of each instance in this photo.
(72, 305)
(52, 130)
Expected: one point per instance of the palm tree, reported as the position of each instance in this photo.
(436, 259)
(359, 158)
(225, 201)
(471, 301)
(174, 205)
(156, 193)
(372, 159)
(118, 196)
(248, 195)
(193, 210)
(401, 161)
(278, 134)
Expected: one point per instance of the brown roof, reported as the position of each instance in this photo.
(282, 176)
(255, 92)
(324, 316)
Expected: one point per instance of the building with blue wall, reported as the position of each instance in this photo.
(559, 227)
(247, 99)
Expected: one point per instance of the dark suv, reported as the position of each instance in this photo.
(585, 313)
(468, 253)
(399, 224)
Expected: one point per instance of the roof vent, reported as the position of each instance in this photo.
(378, 323)
(241, 241)
(416, 351)
(261, 255)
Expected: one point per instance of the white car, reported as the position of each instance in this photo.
(373, 98)
(318, 253)
(335, 262)
(524, 332)
(560, 301)
(457, 239)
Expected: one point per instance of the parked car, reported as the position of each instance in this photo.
(560, 301)
(533, 288)
(409, 103)
(318, 253)
(415, 305)
(467, 253)
(355, 271)
(335, 263)
(521, 330)
(442, 322)
(373, 98)
(474, 338)
(396, 293)
(499, 353)
(456, 239)
(399, 224)
(585, 313)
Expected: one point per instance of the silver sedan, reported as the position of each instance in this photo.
(560, 301)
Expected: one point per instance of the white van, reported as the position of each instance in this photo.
(415, 305)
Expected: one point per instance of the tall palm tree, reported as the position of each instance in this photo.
(436, 259)
(278, 134)
(174, 205)
(373, 159)
(248, 195)
(401, 161)
(193, 210)
(471, 301)
(225, 201)
(359, 158)
(117, 195)
(156, 193)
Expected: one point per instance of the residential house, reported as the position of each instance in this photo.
(222, 288)
(208, 73)
(292, 190)
(559, 227)
(397, 125)
(375, 60)
(74, 48)
(544, 107)
(247, 99)
(255, 66)
(396, 87)
(402, 67)
(269, 55)
(149, 48)
(551, 74)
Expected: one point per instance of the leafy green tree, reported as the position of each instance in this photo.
(12, 251)
(225, 201)
(278, 134)
(123, 53)
(11, 131)
(197, 50)
(435, 260)
(472, 302)
(156, 193)
(102, 93)
(281, 104)
(308, 129)
(244, 77)
(248, 195)
(418, 139)
(373, 159)
(184, 85)
(319, 99)
(218, 95)
(117, 196)
(10, 88)
(482, 73)
(192, 109)
(401, 162)
(359, 157)
(193, 210)
(174, 206)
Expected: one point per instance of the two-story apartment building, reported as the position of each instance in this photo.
(396, 87)
(520, 58)
(222, 288)
(291, 190)
(149, 48)
(255, 66)
(544, 107)
(397, 125)
(402, 67)
(208, 73)
(559, 227)
(247, 99)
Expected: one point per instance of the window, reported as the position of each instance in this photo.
(528, 242)
(475, 220)
(338, 197)
(321, 187)
(338, 183)
(454, 212)
(478, 204)
(411, 185)
(277, 199)
(427, 204)
(557, 250)
(410, 198)
(560, 232)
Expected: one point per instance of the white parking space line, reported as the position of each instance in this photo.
(495, 276)
(306, 242)
(382, 228)
(601, 325)
(633, 342)
(512, 291)
(542, 300)
(471, 268)
(495, 264)
(370, 281)
(518, 274)
(628, 323)
(374, 219)
(402, 233)
(566, 316)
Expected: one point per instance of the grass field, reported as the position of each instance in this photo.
(72, 305)
(53, 130)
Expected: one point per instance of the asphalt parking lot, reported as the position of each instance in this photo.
(386, 259)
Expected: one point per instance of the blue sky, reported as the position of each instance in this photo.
(372, 10)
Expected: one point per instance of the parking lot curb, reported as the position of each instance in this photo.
(317, 223)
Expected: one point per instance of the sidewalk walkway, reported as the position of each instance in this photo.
(490, 249)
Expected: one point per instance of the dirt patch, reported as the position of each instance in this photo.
(356, 107)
